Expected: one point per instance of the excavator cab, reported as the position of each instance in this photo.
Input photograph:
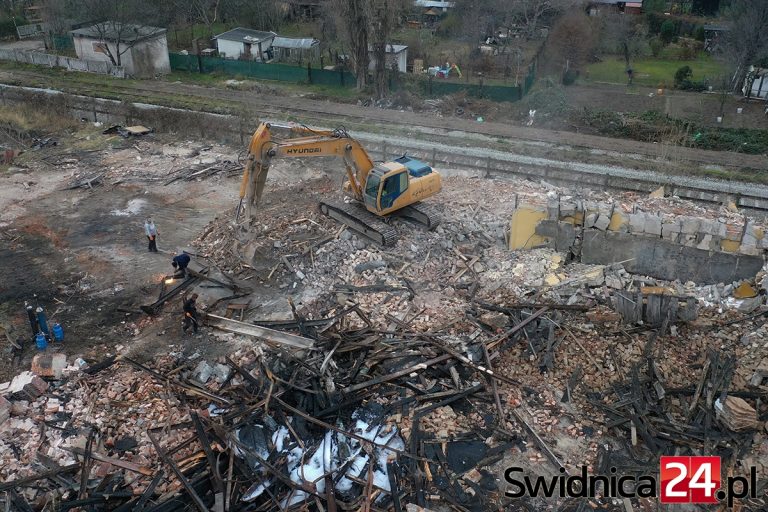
(384, 186)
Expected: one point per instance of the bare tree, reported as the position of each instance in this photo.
(481, 19)
(746, 38)
(625, 35)
(385, 14)
(257, 14)
(571, 41)
(355, 24)
(57, 14)
(530, 13)
(204, 11)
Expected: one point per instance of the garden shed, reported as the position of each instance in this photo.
(295, 49)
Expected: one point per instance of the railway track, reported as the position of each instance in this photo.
(310, 110)
(486, 161)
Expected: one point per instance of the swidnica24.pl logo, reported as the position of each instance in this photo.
(680, 480)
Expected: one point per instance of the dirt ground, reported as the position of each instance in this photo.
(506, 121)
(704, 108)
(83, 254)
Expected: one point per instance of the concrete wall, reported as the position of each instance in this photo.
(666, 260)
(146, 59)
(150, 58)
(236, 49)
(45, 59)
(664, 245)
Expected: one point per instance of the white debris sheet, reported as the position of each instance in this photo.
(340, 456)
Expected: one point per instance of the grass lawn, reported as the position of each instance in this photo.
(652, 72)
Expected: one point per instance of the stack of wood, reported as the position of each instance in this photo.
(736, 414)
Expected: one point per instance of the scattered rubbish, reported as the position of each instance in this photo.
(127, 131)
(86, 182)
(43, 143)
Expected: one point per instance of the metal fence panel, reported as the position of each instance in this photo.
(338, 78)
(297, 74)
(31, 30)
(63, 42)
(260, 70)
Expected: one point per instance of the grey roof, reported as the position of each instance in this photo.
(433, 3)
(295, 42)
(112, 31)
(245, 35)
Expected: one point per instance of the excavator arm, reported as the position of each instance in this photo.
(313, 143)
(380, 190)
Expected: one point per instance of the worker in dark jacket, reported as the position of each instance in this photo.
(190, 314)
(180, 263)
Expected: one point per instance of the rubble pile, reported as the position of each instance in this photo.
(352, 422)
(406, 375)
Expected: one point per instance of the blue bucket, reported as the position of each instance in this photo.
(40, 341)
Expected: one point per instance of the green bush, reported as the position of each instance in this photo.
(7, 28)
(545, 100)
(657, 45)
(450, 26)
(690, 85)
(654, 23)
(688, 50)
(683, 73)
(668, 31)
(698, 34)
(655, 126)
(570, 76)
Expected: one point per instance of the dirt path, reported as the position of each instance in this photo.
(272, 104)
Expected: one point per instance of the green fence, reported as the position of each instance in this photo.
(296, 74)
(253, 69)
(62, 42)
(440, 87)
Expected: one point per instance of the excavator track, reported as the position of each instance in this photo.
(421, 213)
(355, 216)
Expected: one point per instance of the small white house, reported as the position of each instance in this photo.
(143, 50)
(244, 43)
(397, 54)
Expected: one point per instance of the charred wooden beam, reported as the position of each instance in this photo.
(397, 375)
(218, 484)
(21, 482)
(515, 307)
(196, 500)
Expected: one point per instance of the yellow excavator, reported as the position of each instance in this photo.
(379, 190)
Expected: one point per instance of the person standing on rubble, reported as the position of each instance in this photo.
(190, 314)
(151, 231)
(179, 264)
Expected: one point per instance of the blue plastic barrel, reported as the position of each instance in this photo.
(58, 332)
(40, 341)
